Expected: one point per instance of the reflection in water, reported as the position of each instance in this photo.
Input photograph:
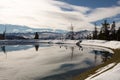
(68, 75)
(105, 55)
(80, 47)
(95, 51)
(10, 48)
(66, 47)
(36, 47)
(51, 62)
(72, 49)
(72, 52)
(4, 50)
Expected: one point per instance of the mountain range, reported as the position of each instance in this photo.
(25, 32)
(25, 29)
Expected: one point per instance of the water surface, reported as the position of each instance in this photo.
(48, 61)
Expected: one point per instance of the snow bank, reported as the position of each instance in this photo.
(109, 44)
(99, 71)
(65, 41)
(112, 74)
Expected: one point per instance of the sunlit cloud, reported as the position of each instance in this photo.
(52, 14)
(102, 13)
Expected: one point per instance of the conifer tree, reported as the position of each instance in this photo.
(36, 35)
(104, 33)
(118, 34)
(95, 32)
(113, 31)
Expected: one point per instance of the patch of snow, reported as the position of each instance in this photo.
(109, 44)
(101, 70)
(112, 74)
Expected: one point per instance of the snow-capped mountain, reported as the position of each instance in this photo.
(25, 29)
(25, 32)
(42, 35)
(80, 34)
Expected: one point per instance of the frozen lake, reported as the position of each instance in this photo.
(49, 61)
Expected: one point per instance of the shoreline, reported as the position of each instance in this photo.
(94, 74)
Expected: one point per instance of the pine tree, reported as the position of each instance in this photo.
(113, 31)
(95, 32)
(104, 33)
(72, 32)
(4, 34)
(118, 34)
(36, 35)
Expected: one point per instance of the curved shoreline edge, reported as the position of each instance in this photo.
(99, 72)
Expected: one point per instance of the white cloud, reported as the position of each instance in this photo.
(50, 13)
(102, 13)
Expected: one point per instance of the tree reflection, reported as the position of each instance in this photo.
(36, 47)
(4, 50)
(80, 47)
(106, 56)
(66, 47)
(72, 48)
(72, 52)
(96, 53)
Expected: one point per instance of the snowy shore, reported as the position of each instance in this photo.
(102, 43)
(114, 70)
(112, 74)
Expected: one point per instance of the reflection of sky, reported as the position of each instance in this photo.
(20, 47)
(29, 64)
(16, 48)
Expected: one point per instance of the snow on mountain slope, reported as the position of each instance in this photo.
(25, 29)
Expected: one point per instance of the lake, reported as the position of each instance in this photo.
(49, 61)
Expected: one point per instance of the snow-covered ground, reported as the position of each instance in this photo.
(104, 73)
(109, 44)
(112, 74)
(64, 41)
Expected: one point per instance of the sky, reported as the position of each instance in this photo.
(59, 14)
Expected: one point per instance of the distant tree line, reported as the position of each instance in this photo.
(107, 32)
